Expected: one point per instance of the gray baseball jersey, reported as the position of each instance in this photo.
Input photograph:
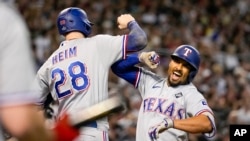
(76, 74)
(160, 101)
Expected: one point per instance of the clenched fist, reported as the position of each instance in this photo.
(123, 20)
(151, 59)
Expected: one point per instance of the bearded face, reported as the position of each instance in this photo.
(178, 72)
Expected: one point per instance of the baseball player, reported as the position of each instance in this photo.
(19, 115)
(76, 74)
(172, 107)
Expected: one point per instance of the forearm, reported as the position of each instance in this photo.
(197, 124)
(137, 38)
(125, 65)
(126, 69)
(150, 59)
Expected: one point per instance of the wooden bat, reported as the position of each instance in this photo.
(111, 105)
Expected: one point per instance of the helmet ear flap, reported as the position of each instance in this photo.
(191, 75)
(87, 29)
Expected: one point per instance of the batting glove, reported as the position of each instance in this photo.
(151, 59)
(64, 131)
(164, 125)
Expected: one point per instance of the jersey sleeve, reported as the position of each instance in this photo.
(196, 105)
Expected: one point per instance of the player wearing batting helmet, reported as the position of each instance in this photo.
(191, 56)
(76, 74)
(74, 19)
(172, 107)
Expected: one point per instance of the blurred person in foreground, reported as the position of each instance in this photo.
(171, 107)
(19, 115)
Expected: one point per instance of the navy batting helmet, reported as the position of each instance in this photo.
(191, 55)
(73, 19)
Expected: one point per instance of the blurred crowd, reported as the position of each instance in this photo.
(220, 29)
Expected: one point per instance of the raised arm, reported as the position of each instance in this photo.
(127, 70)
(136, 38)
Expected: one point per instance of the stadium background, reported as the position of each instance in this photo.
(220, 29)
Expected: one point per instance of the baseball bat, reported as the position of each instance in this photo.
(111, 105)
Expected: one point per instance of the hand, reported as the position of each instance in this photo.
(151, 59)
(123, 20)
(164, 125)
(64, 131)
